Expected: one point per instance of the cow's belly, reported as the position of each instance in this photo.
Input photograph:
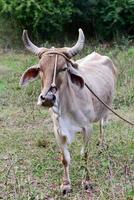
(66, 127)
(69, 127)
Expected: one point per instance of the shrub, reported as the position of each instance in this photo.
(52, 18)
(45, 17)
(106, 18)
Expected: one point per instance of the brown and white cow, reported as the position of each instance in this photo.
(74, 108)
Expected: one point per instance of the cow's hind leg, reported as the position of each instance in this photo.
(86, 139)
(102, 141)
(86, 183)
(65, 158)
(102, 138)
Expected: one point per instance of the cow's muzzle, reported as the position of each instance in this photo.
(47, 100)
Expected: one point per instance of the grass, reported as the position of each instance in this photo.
(30, 165)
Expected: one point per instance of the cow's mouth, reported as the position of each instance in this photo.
(49, 101)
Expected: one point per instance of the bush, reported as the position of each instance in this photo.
(105, 18)
(45, 17)
(51, 18)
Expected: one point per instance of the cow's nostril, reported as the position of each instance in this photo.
(42, 98)
(54, 97)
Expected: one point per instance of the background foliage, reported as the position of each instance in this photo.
(52, 18)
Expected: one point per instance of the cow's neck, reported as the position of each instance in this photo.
(67, 100)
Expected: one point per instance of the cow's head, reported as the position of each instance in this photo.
(53, 69)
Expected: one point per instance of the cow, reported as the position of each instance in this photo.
(63, 89)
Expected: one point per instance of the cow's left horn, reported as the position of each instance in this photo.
(78, 46)
(29, 45)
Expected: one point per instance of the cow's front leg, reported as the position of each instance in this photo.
(65, 158)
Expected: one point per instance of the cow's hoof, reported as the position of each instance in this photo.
(87, 185)
(66, 189)
(103, 146)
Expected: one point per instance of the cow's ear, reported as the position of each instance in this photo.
(76, 78)
(29, 75)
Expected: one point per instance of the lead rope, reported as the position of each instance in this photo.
(53, 85)
(131, 123)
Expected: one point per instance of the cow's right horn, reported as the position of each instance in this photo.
(29, 45)
(78, 46)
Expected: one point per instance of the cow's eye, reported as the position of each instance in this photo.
(62, 70)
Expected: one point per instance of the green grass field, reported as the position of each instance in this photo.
(30, 167)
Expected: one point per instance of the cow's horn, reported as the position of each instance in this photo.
(78, 46)
(29, 45)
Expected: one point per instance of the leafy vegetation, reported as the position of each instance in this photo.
(30, 165)
(103, 19)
